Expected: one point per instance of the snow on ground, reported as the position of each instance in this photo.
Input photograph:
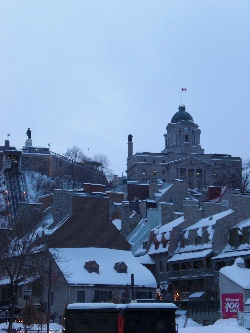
(53, 327)
(220, 326)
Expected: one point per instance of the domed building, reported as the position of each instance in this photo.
(184, 159)
(183, 135)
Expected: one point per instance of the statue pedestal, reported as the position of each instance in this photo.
(28, 143)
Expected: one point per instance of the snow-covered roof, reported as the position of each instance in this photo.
(239, 275)
(243, 224)
(145, 259)
(71, 262)
(190, 255)
(210, 220)
(117, 223)
(164, 231)
(232, 254)
(132, 305)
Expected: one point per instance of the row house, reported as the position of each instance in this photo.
(79, 256)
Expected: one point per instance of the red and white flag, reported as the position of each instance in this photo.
(183, 89)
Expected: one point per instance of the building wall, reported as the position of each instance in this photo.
(62, 205)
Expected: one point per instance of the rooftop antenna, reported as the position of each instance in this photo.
(182, 89)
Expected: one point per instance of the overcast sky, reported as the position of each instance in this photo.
(88, 73)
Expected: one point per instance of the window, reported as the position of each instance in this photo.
(166, 265)
(145, 244)
(154, 173)
(144, 171)
(143, 294)
(198, 173)
(170, 199)
(80, 296)
(160, 266)
(182, 173)
(163, 172)
(163, 161)
(185, 138)
(102, 295)
(207, 238)
(164, 243)
(121, 267)
(52, 298)
(183, 242)
(197, 240)
(224, 203)
(92, 266)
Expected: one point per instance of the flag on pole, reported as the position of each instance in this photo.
(183, 89)
(8, 134)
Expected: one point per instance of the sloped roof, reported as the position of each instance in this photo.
(88, 226)
(190, 255)
(164, 232)
(240, 276)
(210, 220)
(72, 267)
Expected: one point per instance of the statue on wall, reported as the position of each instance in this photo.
(28, 133)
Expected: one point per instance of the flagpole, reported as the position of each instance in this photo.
(182, 89)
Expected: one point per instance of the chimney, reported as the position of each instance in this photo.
(130, 146)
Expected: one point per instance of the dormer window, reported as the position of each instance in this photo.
(197, 240)
(121, 267)
(92, 266)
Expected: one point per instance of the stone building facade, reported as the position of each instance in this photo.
(42, 160)
(183, 158)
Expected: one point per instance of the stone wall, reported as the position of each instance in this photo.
(62, 205)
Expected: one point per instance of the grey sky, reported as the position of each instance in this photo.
(88, 73)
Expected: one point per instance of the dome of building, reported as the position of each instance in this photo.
(181, 115)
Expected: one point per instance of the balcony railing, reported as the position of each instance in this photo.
(191, 273)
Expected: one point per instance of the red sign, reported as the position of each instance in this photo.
(231, 304)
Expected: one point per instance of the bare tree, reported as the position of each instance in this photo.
(16, 248)
(246, 176)
(237, 177)
(105, 165)
(75, 154)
